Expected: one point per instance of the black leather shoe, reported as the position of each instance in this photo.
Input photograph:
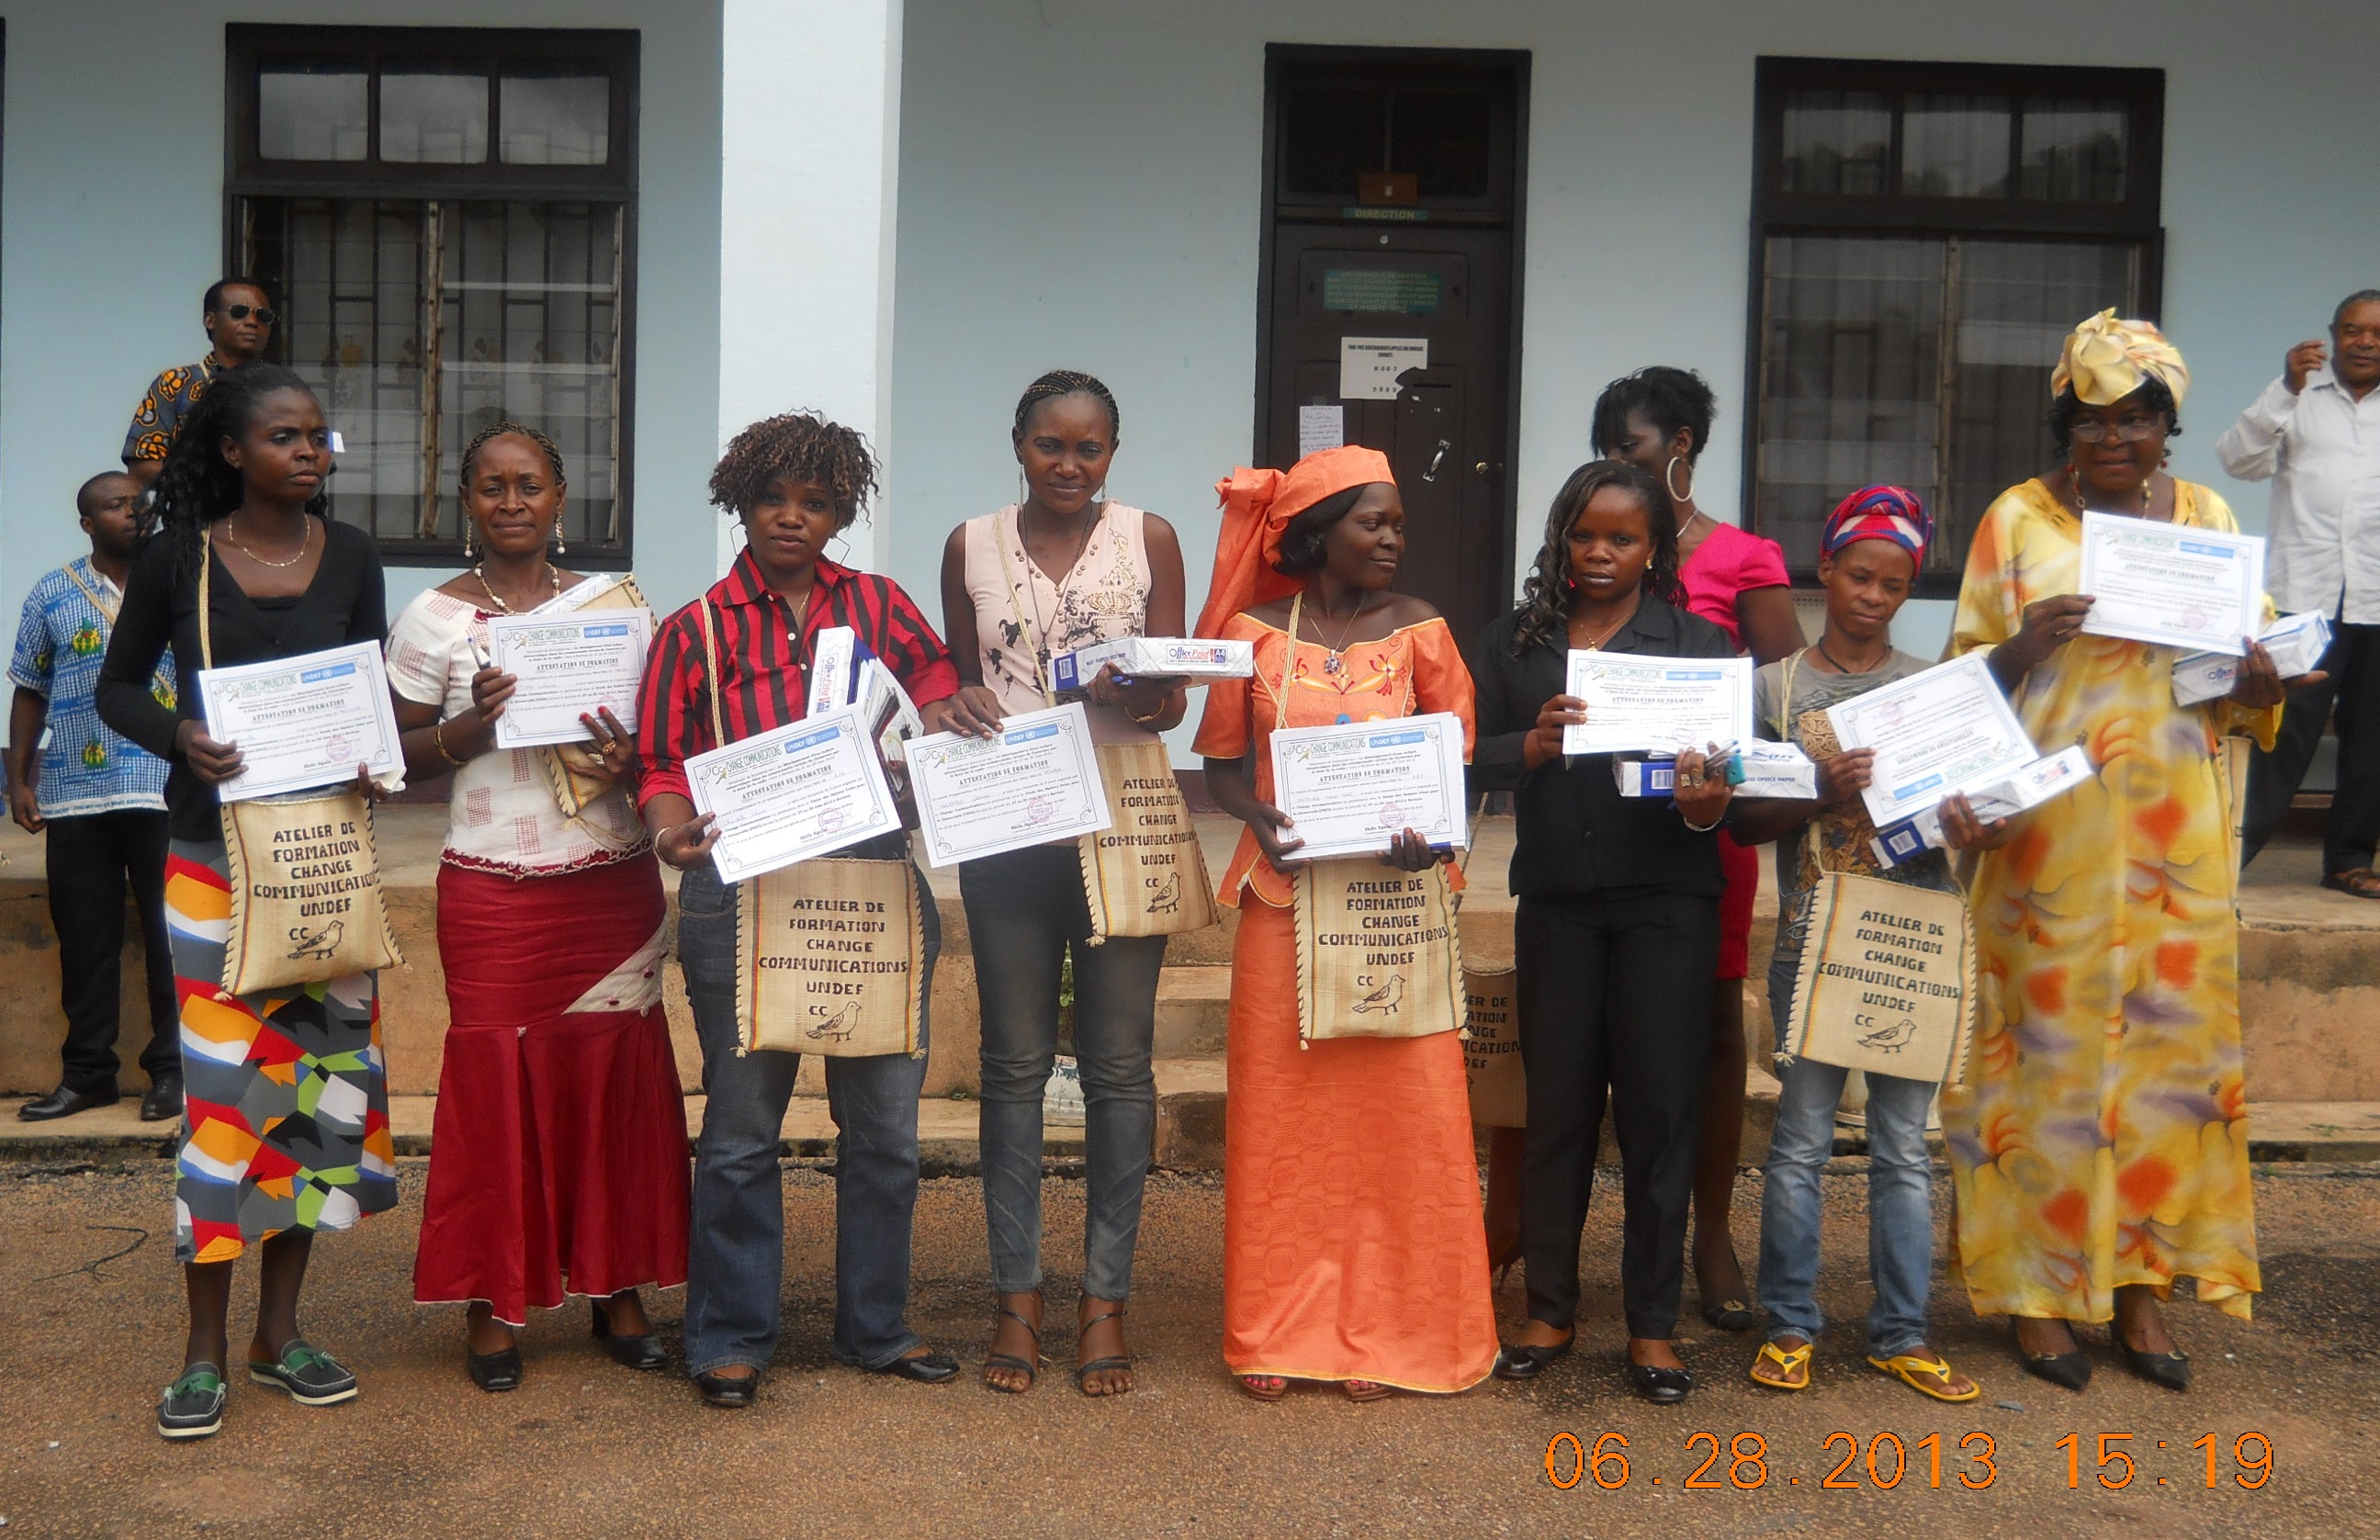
(722, 1391)
(2071, 1371)
(1528, 1361)
(639, 1351)
(163, 1099)
(2168, 1369)
(927, 1368)
(495, 1372)
(1661, 1387)
(64, 1103)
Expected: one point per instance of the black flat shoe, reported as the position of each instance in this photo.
(1661, 1387)
(2168, 1369)
(495, 1372)
(64, 1103)
(927, 1368)
(163, 1100)
(640, 1352)
(2071, 1370)
(1730, 1316)
(721, 1390)
(1523, 1361)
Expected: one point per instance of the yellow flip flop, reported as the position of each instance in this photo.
(1792, 1366)
(1927, 1376)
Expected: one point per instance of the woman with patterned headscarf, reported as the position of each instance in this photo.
(1870, 553)
(1353, 1249)
(2100, 1149)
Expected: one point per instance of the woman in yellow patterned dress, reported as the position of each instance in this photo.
(2101, 1150)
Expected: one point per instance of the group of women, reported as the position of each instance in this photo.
(2098, 1149)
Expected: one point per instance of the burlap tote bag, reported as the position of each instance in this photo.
(1888, 980)
(1144, 875)
(1491, 1048)
(830, 953)
(575, 773)
(1375, 952)
(306, 899)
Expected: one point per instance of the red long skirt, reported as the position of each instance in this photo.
(558, 1153)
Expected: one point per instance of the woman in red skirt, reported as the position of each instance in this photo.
(559, 1149)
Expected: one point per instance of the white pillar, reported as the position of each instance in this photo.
(810, 160)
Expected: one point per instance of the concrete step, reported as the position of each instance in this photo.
(1193, 1005)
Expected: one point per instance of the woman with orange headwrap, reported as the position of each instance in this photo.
(2100, 1149)
(1353, 1246)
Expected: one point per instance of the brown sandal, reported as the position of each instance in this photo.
(2359, 882)
(1264, 1388)
(1367, 1390)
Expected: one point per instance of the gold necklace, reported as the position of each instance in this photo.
(1594, 642)
(479, 571)
(305, 542)
(1334, 659)
(2074, 485)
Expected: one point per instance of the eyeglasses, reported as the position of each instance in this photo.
(263, 313)
(2131, 429)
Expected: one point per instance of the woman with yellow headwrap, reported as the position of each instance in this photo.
(1354, 1248)
(2100, 1150)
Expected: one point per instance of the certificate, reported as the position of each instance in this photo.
(1658, 705)
(792, 793)
(1036, 782)
(566, 666)
(1350, 789)
(305, 721)
(2202, 590)
(1933, 732)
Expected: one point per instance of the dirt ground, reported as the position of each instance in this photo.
(587, 1448)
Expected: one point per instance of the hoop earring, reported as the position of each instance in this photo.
(1669, 481)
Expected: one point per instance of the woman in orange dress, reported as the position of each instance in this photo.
(1354, 1249)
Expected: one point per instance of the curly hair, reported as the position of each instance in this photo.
(2153, 394)
(1545, 600)
(1066, 382)
(796, 447)
(196, 485)
(495, 430)
(1669, 399)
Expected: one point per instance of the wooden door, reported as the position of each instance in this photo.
(1392, 232)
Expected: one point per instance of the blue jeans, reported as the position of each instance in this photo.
(735, 1267)
(1900, 1205)
(1025, 909)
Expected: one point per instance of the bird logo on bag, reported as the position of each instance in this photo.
(1893, 1039)
(321, 943)
(838, 1027)
(1386, 1001)
(1168, 897)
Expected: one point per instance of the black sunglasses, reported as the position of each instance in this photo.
(263, 313)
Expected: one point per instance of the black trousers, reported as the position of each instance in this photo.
(1615, 995)
(2353, 687)
(92, 859)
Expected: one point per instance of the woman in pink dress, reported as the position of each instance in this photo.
(1660, 418)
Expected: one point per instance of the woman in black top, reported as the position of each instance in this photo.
(1615, 927)
(286, 1128)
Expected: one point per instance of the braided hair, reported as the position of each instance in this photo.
(196, 485)
(1066, 382)
(495, 430)
(1545, 600)
(796, 446)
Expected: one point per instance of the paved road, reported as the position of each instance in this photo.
(585, 1448)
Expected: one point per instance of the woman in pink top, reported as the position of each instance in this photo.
(1660, 419)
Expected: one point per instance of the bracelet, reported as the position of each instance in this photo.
(438, 736)
(1703, 828)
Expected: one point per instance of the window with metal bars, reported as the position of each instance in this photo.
(1925, 236)
(447, 221)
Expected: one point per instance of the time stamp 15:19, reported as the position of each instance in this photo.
(2115, 1461)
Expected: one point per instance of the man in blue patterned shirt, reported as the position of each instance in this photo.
(103, 803)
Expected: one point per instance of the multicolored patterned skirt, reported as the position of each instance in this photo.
(286, 1091)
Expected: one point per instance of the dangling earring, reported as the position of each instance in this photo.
(560, 547)
(466, 537)
(1669, 481)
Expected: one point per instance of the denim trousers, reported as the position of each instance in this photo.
(735, 1266)
(1899, 1194)
(1025, 909)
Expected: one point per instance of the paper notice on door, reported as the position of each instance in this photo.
(1368, 367)
(1320, 428)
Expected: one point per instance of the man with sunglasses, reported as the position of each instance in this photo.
(238, 318)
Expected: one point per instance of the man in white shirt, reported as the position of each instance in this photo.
(2315, 434)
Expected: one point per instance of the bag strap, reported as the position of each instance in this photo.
(206, 572)
(710, 672)
(108, 612)
(1008, 580)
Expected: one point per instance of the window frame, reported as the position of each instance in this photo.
(2136, 219)
(251, 45)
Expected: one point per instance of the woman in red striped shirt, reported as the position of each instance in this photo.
(796, 482)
